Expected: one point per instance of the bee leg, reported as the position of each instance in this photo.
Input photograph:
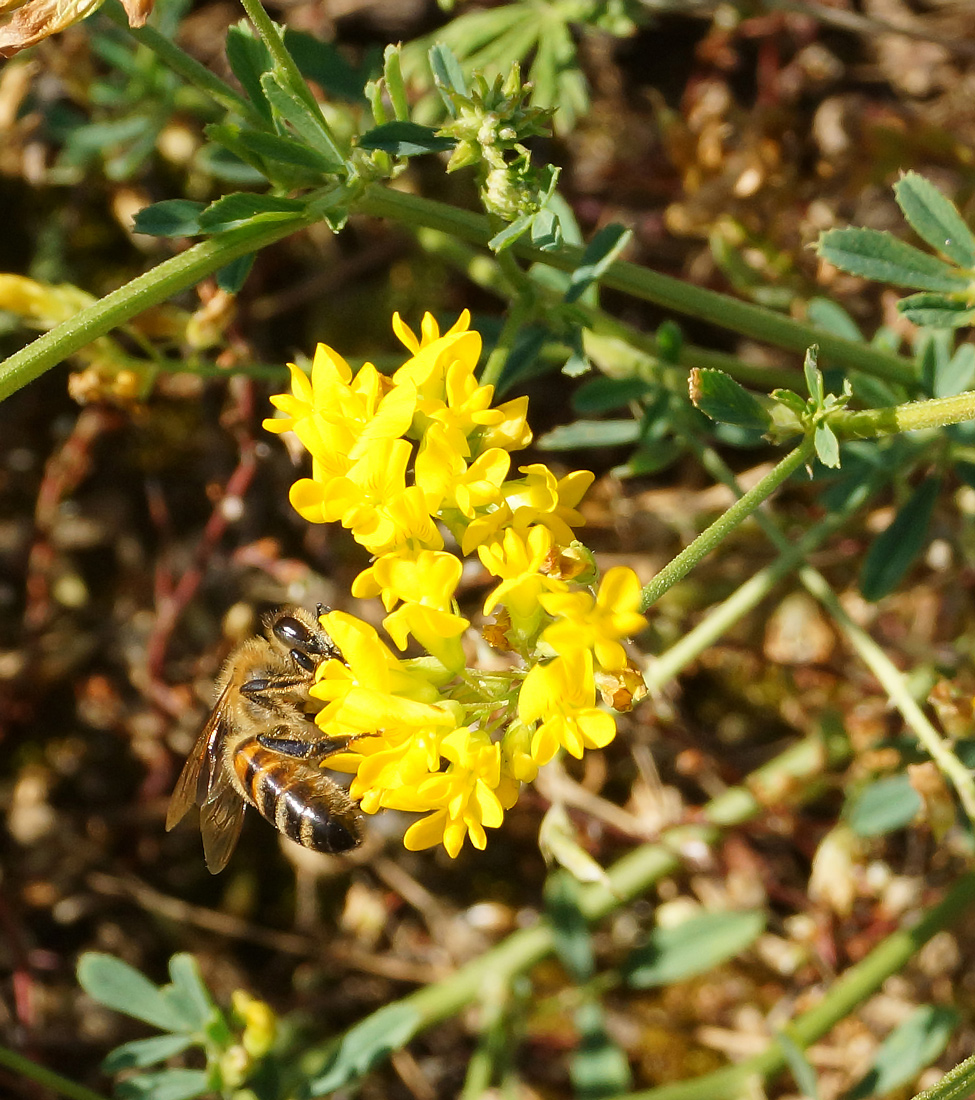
(267, 693)
(303, 750)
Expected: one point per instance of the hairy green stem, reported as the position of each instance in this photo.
(850, 990)
(272, 37)
(46, 1078)
(155, 286)
(641, 348)
(381, 201)
(957, 1083)
(679, 567)
(186, 66)
(790, 772)
(914, 415)
(708, 305)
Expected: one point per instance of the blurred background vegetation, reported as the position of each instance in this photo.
(145, 524)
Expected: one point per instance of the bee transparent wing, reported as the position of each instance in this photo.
(220, 820)
(201, 771)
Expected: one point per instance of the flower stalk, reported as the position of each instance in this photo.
(685, 561)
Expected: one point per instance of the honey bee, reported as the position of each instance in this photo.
(260, 746)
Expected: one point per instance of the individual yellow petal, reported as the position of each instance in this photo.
(426, 832)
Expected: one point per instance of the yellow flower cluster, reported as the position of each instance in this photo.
(401, 461)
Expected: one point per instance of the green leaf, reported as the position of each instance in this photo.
(813, 375)
(599, 1068)
(802, 1072)
(367, 1043)
(602, 394)
(511, 232)
(721, 398)
(570, 932)
(188, 990)
(693, 947)
(827, 446)
(522, 361)
(825, 314)
(228, 167)
(145, 1052)
(167, 1084)
(232, 277)
(227, 137)
(670, 342)
(909, 1048)
(306, 120)
(447, 74)
(590, 433)
(650, 458)
(405, 139)
(546, 231)
(881, 256)
(169, 218)
(935, 218)
(325, 64)
(791, 401)
(249, 59)
(884, 806)
(121, 987)
(601, 251)
(895, 549)
(242, 206)
(936, 311)
(958, 374)
(274, 147)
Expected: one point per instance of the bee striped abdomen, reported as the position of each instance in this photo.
(297, 798)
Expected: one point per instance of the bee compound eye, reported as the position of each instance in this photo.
(291, 631)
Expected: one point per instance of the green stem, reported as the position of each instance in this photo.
(381, 201)
(519, 312)
(685, 561)
(627, 879)
(852, 989)
(748, 596)
(47, 1078)
(887, 673)
(957, 1083)
(639, 350)
(913, 416)
(149, 289)
(708, 305)
(273, 39)
(187, 67)
(602, 324)
(892, 681)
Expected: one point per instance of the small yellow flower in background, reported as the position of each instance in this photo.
(260, 1023)
(409, 463)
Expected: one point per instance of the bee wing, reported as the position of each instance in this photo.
(201, 771)
(220, 820)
